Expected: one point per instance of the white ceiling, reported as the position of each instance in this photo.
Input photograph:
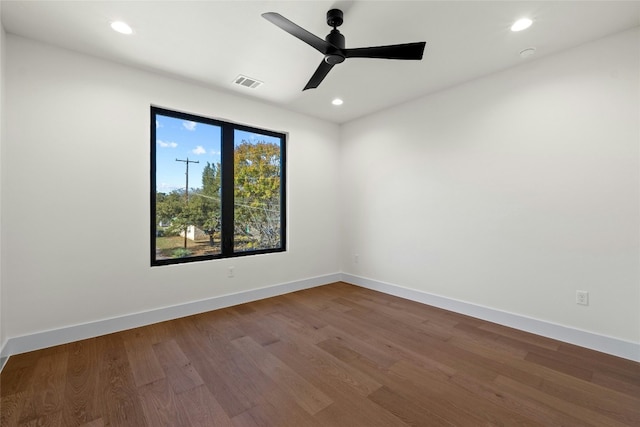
(211, 42)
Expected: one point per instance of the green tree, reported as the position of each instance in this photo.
(169, 211)
(211, 180)
(257, 193)
(206, 209)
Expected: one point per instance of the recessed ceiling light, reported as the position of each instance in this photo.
(337, 101)
(521, 24)
(121, 27)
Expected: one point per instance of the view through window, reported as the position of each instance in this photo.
(217, 189)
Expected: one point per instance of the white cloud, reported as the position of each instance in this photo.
(189, 125)
(214, 153)
(158, 124)
(164, 144)
(165, 187)
(199, 150)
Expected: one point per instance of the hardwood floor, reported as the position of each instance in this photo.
(337, 355)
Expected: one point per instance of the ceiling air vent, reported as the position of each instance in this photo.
(247, 82)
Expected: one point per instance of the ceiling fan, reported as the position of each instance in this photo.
(333, 46)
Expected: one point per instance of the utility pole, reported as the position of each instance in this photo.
(186, 193)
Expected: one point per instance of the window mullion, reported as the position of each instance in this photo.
(227, 190)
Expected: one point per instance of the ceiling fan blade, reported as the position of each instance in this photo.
(396, 51)
(319, 75)
(297, 31)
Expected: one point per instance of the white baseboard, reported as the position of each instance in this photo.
(16, 345)
(39, 340)
(614, 346)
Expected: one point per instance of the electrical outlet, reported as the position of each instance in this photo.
(582, 297)
(230, 273)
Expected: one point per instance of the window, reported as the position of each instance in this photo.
(217, 189)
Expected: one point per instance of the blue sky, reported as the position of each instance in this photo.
(182, 139)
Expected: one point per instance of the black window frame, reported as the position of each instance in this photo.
(227, 187)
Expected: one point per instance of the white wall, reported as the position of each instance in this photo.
(75, 246)
(2, 92)
(510, 192)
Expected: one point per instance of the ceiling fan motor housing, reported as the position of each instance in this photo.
(335, 56)
(334, 18)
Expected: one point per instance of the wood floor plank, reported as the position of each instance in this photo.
(159, 405)
(11, 407)
(145, 366)
(263, 391)
(282, 324)
(572, 388)
(372, 341)
(335, 355)
(50, 420)
(535, 411)
(616, 382)
(208, 355)
(519, 336)
(410, 343)
(178, 369)
(47, 391)
(320, 368)
(81, 404)
(601, 361)
(458, 398)
(251, 324)
(246, 419)
(395, 311)
(202, 409)
(487, 340)
(381, 353)
(278, 409)
(220, 324)
(557, 364)
(120, 405)
(99, 422)
(19, 373)
(408, 410)
(343, 412)
(586, 416)
(605, 401)
(440, 407)
(306, 394)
